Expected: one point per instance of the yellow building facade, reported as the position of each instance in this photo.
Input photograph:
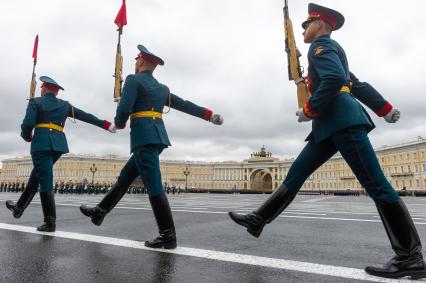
(404, 165)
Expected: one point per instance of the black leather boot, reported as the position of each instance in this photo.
(270, 209)
(23, 201)
(109, 201)
(49, 212)
(166, 227)
(405, 241)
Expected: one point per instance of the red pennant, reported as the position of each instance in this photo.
(35, 48)
(121, 19)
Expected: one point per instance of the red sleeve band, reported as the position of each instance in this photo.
(207, 114)
(106, 125)
(384, 110)
(308, 112)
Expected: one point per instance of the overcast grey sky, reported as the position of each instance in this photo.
(227, 55)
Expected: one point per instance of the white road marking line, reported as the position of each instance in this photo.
(373, 213)
(318, 199)
(225, 212)
(414, 218)
(291, 265)
(287, 212)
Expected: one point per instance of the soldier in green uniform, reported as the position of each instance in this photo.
(46, 115)
(143, 100)
(341, 124)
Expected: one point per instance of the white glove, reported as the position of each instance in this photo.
(392, 116)
(112, 128)
(302, 116)
(216, 119)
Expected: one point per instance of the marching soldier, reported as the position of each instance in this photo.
(143, 99)
(47, 115)
(340, 124)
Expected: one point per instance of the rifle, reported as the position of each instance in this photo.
(33, 76)
(295, 71)
(118, 70)
(120, 21)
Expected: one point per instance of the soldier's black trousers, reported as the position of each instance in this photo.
(355, 148)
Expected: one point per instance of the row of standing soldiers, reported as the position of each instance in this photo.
(82, 188)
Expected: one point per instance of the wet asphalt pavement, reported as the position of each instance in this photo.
(330, 231)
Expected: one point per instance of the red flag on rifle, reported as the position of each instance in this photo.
(121, 19)
(35, 48)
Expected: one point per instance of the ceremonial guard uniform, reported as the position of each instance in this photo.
(47, 115)
(340, 124)
(143, 100)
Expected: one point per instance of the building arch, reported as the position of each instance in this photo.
(260, 180)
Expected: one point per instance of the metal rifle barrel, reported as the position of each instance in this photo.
(285, 10)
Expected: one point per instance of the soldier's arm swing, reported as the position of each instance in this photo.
(370, 97)
(191, 108)
(79, 114)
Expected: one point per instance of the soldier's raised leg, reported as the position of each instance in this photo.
(127, 175)
(312, 156)
(26, 197)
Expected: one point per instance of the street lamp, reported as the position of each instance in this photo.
(186, 172)
(93, 169)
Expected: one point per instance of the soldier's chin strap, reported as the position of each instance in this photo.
(73, 116)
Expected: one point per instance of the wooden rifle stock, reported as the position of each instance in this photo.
(33, 82)
(32, 87)
(294, 69)
(118, 76)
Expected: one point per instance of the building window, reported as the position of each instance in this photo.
(416, 168)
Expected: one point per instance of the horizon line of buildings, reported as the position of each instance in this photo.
(404, 165)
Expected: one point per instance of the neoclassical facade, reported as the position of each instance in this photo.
(404, 165)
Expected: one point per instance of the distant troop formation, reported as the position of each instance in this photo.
(82, 188)
(339, 124)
